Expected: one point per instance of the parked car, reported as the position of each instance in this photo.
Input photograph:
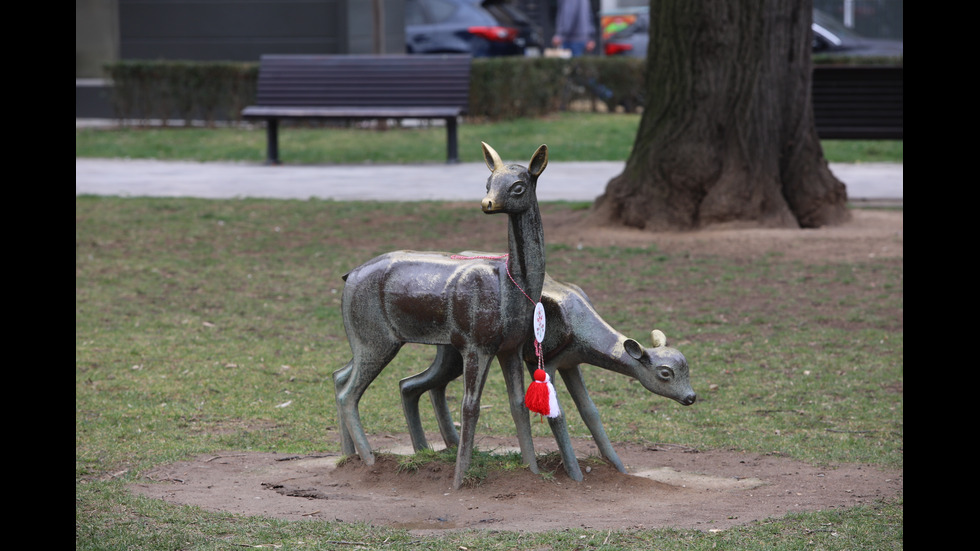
(831, 37)
(482, 28)
(529, 35)
(626, 34)
(630, 36)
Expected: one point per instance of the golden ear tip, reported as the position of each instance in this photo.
(659, 339)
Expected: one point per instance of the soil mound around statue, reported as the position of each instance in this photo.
(666, 486)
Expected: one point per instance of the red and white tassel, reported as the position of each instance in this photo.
(541, 397)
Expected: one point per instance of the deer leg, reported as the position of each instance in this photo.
(441, 408)
(513, 367)
(559, 427)
(364, 368)
(476, 367)
(447, 366)
(452, 368)
(572, 377)
(340, 378)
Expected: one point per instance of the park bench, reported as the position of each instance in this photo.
(361, 87)
(858, 102)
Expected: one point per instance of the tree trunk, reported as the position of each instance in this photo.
(727, 134)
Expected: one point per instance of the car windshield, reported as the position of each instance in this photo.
(832, 25)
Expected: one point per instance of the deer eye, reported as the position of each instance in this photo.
(665, 373)
(517, 189)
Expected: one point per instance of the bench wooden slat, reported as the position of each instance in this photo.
(361, 87)
(859, 102)
(353, 112)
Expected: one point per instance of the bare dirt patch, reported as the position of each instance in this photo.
(667, 486)
(870, 233)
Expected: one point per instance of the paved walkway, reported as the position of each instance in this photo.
(571, 181)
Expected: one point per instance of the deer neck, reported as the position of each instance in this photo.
(597, 342)
(526, 261)
(609, 352)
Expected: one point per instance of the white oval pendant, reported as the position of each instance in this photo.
(539, 322)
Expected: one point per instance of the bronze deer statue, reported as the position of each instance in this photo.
(483, 308)
(575, 334)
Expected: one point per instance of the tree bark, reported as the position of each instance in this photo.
(727, 134)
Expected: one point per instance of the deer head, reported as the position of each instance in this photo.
(512, 188)
(664, 369)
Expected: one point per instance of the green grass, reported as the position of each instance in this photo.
(570, 137)
(196, 321)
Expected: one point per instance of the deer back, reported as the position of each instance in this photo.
(430, 298)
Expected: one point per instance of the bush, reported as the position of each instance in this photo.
(500, 88)
(187, 90)
(509, 88)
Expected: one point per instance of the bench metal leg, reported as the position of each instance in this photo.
(272, 142)
(452, 141)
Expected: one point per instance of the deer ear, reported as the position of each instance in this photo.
(491, 157)
(538, 161)
(634, 349)
(659, 339)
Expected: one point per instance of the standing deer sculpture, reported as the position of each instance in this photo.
(482, 308)
(575, 334)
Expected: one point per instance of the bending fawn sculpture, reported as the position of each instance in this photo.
(482, 308)
(575, 334)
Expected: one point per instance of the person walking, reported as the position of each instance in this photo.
(574, 28)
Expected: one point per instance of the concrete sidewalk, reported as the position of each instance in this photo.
(568, 181)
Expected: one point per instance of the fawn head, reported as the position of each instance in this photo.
(664, 370)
